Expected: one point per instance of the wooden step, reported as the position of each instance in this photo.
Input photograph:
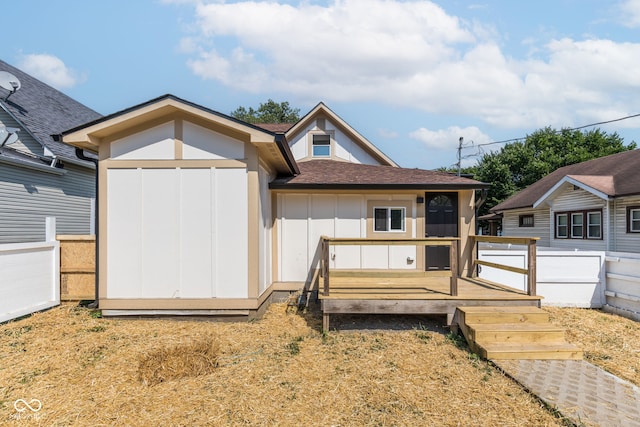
(558, 351)
(505, 314)
(515, 333)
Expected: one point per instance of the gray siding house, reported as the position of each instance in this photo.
(593, 205)
(39, 175)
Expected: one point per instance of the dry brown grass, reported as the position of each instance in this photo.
(609, 341)
(277, 371)
(189, 359)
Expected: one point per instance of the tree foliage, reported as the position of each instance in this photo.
(520, 164)
(268, 112)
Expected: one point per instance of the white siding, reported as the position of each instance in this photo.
(154, 143)
(343, 147)
(177, 233)
(201, 143)
(511, 225)
(304, 218)
(578, 200)
(621, 240)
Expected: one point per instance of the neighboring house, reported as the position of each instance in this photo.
(201, 213)
(39, 175)
(593, 205)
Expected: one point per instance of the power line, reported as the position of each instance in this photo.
(562, 130)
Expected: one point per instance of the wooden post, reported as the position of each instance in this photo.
(453, 262)
(325, 265)
(473, 267)
(531, 267)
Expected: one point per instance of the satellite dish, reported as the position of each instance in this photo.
(8, 135)
(9, 82)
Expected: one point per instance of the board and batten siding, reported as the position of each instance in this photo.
(621, 240)
(28, 196)
(579, 200)
(177, 231)
(304, 218)
(541, 223)
(342, 147)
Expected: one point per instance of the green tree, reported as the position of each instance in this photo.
(520, 164)
(268, 112)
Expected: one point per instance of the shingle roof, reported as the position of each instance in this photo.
(44, 111)
(615, 175)
(275, 127)
(331, 174)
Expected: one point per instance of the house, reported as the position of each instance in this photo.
(593, 205)
(201, 213)
(40, 176)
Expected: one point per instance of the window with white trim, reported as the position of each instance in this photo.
(579, 225)
(321, 145)
(562, 226)
(389, 219)
(594, 225)
(576, 225)
(633, 219)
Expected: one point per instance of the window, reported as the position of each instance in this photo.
(388, 219)
(576, 225)
(526, 220)
(594, 225)
(321, 145)
(633, 219)
(579, 225)
(562, 226)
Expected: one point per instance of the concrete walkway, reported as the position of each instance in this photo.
(580, 391)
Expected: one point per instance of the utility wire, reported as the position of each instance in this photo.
(561, 130)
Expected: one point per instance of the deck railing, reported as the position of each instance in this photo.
(530, 271)
(452, 242)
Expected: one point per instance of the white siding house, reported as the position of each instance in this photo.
(594, 205)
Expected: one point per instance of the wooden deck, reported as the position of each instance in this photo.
(412, 293)
(417, 291)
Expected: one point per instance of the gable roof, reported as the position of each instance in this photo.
(322, 111)
(43, 111)
(332, 174)
(166, 108)
(611, 176)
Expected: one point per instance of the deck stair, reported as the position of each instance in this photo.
(513, 333)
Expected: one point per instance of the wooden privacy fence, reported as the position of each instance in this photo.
(530, 271)
(451, 242)
(77, 267)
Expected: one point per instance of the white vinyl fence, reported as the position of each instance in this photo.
(29, 275)
(623, 284)
(564, 278)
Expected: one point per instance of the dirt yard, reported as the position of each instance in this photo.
(281, 370)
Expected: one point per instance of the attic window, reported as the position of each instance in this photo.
(526, 220)
(321, 145)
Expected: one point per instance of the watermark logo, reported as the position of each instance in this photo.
(26, 409)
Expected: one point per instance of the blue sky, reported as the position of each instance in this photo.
(411, 76)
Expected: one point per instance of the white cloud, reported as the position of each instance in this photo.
(631, 13)
(448, 139)
(50, 69)
(410, 53)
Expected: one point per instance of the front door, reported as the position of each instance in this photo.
(441, 220)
